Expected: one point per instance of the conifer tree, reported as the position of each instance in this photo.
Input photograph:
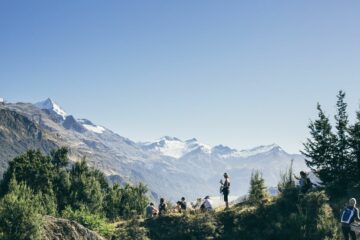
(85, 188)
(257, 192)
(33, 168)
(354, 142)
(342, 157)
(320, 148)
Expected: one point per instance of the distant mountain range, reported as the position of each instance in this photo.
(169, 166)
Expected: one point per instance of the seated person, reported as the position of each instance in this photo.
(183, 204)
(207, 205)
(151, 211)
(162, 207)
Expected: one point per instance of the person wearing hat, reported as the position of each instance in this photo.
(225, 189)
(207, 204)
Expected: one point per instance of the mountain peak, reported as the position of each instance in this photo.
(266, 147)
(223, 150)
(192, 140)
(261, 149)
(168, 138)
(51, 105)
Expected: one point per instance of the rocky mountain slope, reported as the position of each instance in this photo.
(169, 166)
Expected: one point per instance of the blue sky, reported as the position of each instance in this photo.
(240, 73)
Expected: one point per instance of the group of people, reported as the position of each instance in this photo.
(151, 211)
(348, 216)
(181, 206)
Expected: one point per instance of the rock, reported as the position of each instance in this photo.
(63, 229)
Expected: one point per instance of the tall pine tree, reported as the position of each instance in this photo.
(319, 150)
(354, 142)
(342, 153)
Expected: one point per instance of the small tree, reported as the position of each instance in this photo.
(32, 168)
(20, 213)
(257, 192)
(318, 218)
(287, 179)
(86, 188)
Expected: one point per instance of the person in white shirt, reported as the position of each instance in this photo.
(207, 204)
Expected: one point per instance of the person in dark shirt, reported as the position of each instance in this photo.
(225, 189)
(162, 207)
(349, 215)
(183, 204)
(304, 182)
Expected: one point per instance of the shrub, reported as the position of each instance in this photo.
(196, 227)
(125, 201)
(20, 216)
(257, 193)
(132, 230)
(93, 221)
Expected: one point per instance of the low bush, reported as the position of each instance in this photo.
(95, 222)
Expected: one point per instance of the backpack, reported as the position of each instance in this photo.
(307, 185)
(347, 215)
(221, 189)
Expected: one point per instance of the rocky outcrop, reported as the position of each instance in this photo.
(63, 229)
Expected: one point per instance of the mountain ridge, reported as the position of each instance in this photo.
(169, 166)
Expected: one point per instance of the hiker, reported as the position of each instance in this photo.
(183, 204)
(162, 207)
(151, 211)
(348, 216)
(178, 207)
(225, 189)
(304, 182)
(207, 204)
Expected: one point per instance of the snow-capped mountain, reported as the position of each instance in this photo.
(90, 126)
(68, 121)
(209, 163)
(51, 106)
(174, 147)
(171, 167)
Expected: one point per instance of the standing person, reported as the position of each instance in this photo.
(151, 211)
(225, 189)
(304, 182)
(183, 204)
(348, 216)
(162, 207)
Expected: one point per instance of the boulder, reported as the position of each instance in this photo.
(64, 229)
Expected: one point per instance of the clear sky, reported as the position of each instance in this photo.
(239, 73)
